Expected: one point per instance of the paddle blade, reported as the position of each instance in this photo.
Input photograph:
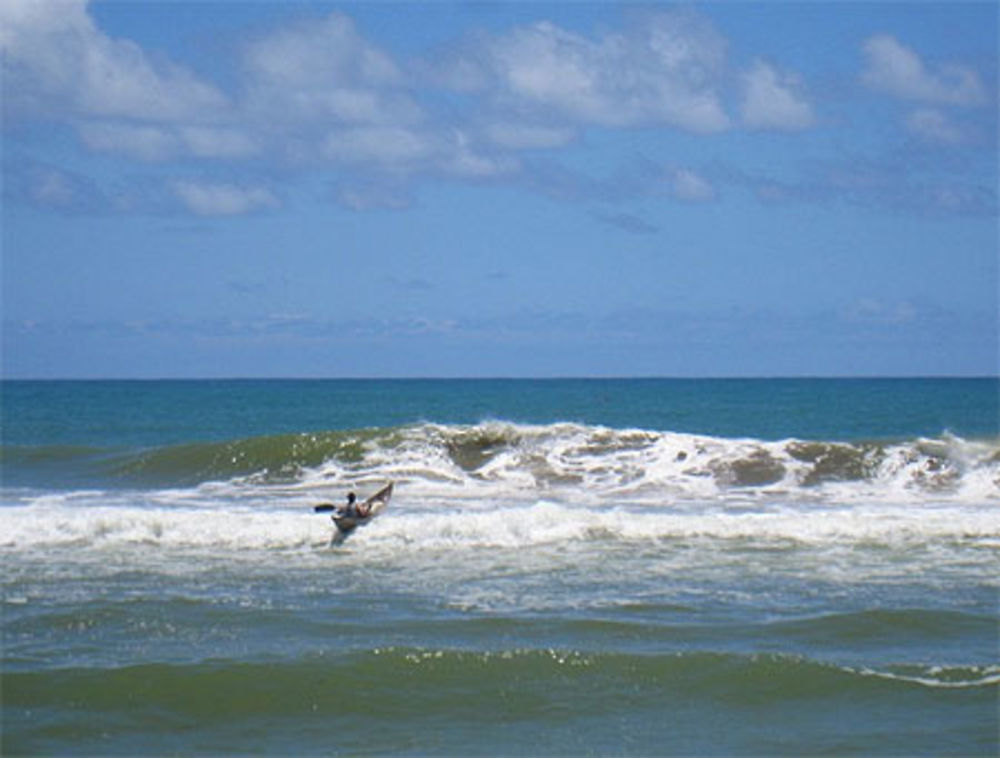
(325, 508)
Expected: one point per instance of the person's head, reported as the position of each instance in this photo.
(351, 497)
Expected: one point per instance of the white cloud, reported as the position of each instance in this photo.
(295, 82)
(461, 158)
(144, 142)
(53, 188)
(401, 151)
(315, 54)
(390, 147)
(690, 186)
(667, 72)
(211, 199)
(872, 311)
(548, 64)
(56, 59)
(218, 142)
(148, 142)
(772, 100)
(373, 196)
(324, 69)
(893, 68)
(517, 136)
(931, 125)
(318, 94)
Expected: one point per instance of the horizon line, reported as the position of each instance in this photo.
(428, 378)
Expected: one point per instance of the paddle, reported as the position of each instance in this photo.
(325, 508)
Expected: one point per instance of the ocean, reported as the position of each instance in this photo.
(570, 567)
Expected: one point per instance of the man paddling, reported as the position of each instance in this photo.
(353, 514)
(354, 508)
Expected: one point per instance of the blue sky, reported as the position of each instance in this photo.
(226, 189)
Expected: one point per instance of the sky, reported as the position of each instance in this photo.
(467, 189)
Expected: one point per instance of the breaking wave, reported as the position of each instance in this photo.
(510, 459)
(501, 485)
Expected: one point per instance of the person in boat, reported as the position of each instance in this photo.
(354, 508)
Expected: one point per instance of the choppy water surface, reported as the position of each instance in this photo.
(536, 586)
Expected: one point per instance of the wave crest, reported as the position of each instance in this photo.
(633, 463)
(511, 460)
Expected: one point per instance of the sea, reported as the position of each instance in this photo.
(567, 567)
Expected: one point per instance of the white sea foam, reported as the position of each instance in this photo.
(283, 519)
(507, 485)
(596, 465)
(938, 677)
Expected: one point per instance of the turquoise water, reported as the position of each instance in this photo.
(608, 566)
(170, 412)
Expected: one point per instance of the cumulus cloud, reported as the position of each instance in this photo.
(897, 70)
(339, 98)
(212, 199)
(218, 142)
(315, 54)
(390, 147)
(307, 92)
(318, 94)
(932, 125)
(53, 188)
(370, 194)
(324, 70)
(55, 58)
(893, 184)
(690, 186)
(160, 142)
(50, 187)
(57, 62)
(402, 151)
(774, 100)
(667, 72)
(141, 141)
(526, 136)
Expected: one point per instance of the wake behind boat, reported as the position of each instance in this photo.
(350, 517)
